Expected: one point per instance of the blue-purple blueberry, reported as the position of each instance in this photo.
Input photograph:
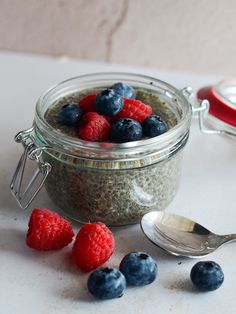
(125, 130)
(70, 114)
(106, 283)
(108, 102)
(125, 90)
(207, 276)
(138, 268)
(153, 126)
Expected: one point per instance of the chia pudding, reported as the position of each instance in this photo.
(116, 183)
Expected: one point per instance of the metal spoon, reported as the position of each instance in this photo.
(181, 236)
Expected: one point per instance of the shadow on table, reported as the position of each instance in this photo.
(13, 242)
(183, 284)
(77, 292)
(131, 238)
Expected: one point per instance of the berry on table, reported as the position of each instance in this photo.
(48, 230)
(207, 276)
(134, 109)
(70, 114)
(138, 268)
(125, 90)
(106, 283)
(125, 130)
(94, 127)
(108, 102)
(154, 126)
(93, 246)
(87, 103)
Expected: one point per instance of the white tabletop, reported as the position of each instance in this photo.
(47, 283)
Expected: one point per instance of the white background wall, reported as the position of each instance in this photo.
(191, 35)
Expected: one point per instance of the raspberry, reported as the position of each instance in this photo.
(134, 109)
(93, 246)
(94, 127)
(87, 103)
(48, 230)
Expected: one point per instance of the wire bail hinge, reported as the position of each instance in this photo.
(24, 197)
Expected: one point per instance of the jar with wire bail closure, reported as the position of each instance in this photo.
(222, 106)
(113, 183)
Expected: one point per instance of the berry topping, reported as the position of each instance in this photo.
(108, 102)
(93, 246)
(134, 109)
(154, 126)
(207, 276)
(87, 103)
(125, 130)
(125, 90)
(138, 268)
(94, 127)
(69, 115)
(48, 230)
(106, 283)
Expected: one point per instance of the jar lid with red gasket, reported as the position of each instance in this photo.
(222, 103)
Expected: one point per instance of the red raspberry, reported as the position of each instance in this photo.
(94, 127)
(93, 246)
(48, 230)
(87, 103)
(134, 109)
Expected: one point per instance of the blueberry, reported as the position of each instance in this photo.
(125, 130)
(69, 114)
(125, 90)
(106, 283)
(108, 102)
(138, 268)
(154, 126)
(207, 276)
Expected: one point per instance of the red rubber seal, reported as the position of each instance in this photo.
(218, 108)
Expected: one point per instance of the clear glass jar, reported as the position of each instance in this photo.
(113, 183)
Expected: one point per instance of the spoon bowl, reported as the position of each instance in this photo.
(181, 236)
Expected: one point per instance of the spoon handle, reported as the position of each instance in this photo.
(228, 238)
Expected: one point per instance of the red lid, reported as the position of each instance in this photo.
(222, 99)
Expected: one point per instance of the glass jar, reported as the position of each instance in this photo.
(222, 109)
(113, 183)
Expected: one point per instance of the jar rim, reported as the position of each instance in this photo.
(60, 139)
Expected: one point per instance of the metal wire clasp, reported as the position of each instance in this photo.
(25, 196)
(200, 108)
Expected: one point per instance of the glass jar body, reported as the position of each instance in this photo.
(113, 196)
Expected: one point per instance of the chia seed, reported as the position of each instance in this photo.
(114, 192)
